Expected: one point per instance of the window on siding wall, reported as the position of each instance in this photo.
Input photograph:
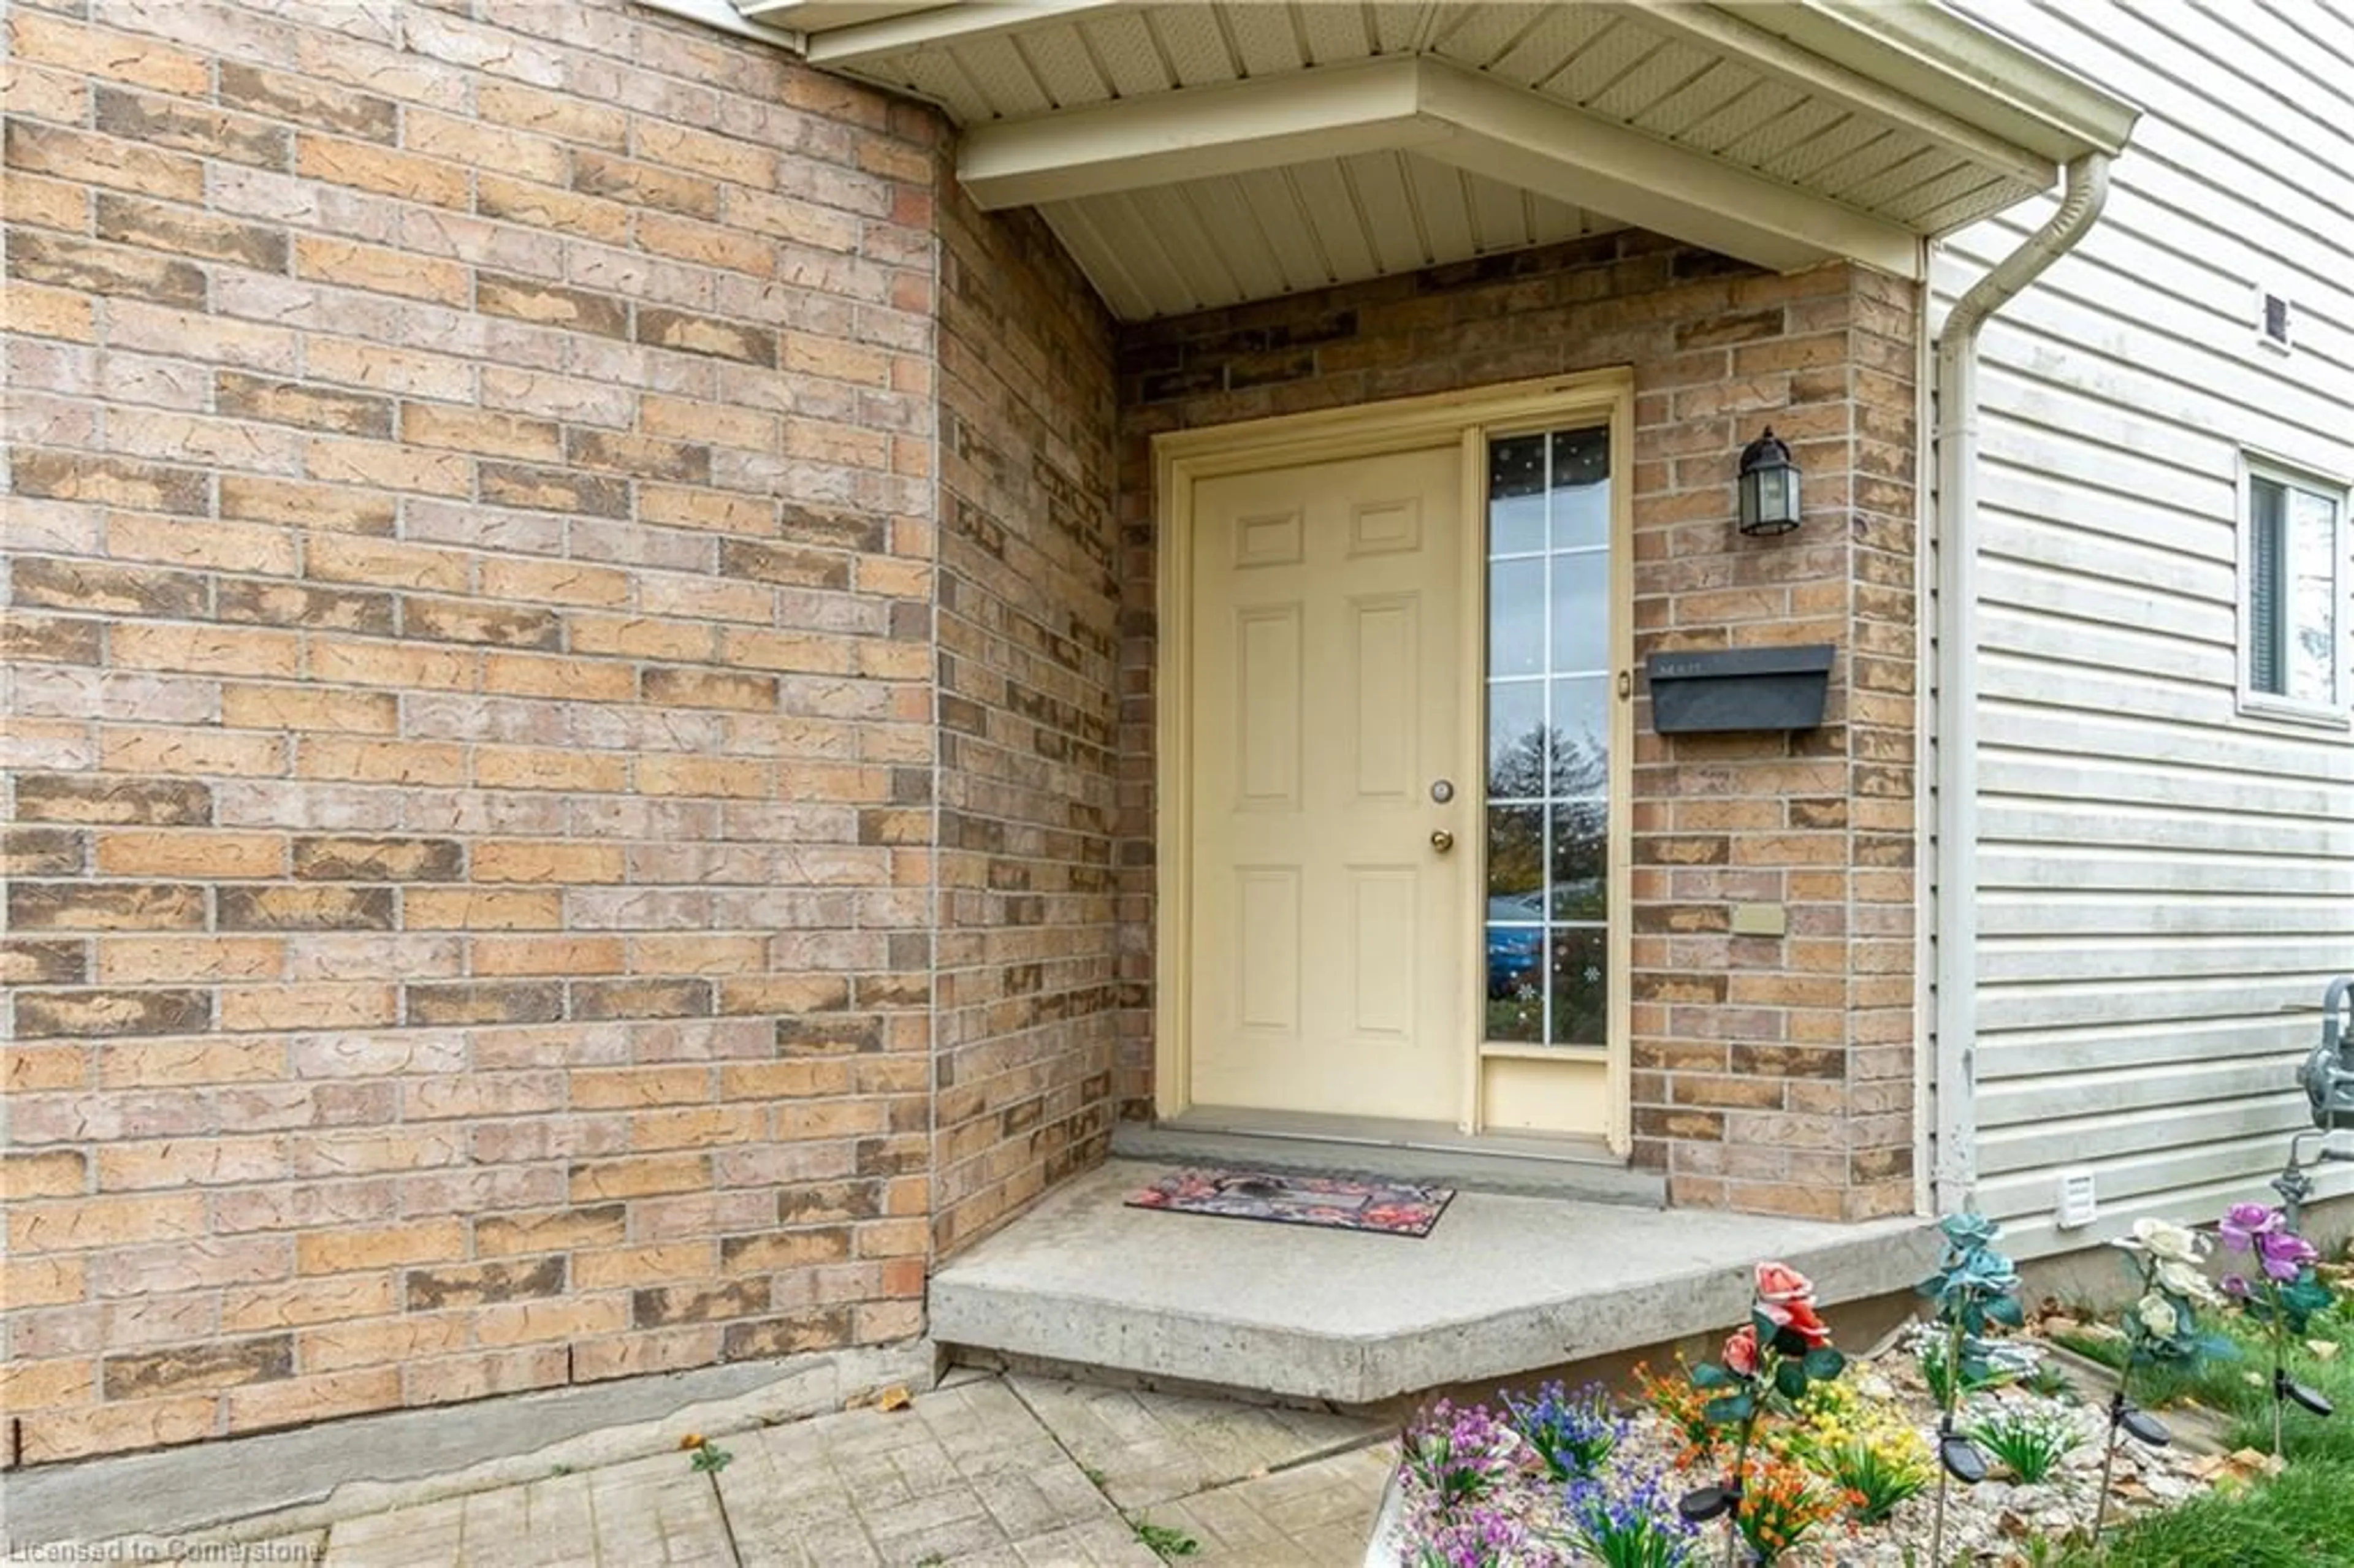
(2293, 560)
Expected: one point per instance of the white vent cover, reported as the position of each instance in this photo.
(2079, 1200)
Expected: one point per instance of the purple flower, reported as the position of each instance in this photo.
(1459, 1455)
(2243, 1222)
(1473, 1537)
(2236, 1285)
(2285, 1254)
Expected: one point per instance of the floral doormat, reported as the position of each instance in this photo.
(1334, 1202)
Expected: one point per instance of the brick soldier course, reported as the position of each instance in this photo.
(579, 674)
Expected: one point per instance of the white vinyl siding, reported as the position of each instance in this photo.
(2165, 876)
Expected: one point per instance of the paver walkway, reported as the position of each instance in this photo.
(985, 1471)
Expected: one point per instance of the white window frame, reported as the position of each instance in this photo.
(2334, 715)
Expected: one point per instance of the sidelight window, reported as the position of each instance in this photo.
(1547, 736)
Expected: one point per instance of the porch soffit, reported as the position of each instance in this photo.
(1197, 155)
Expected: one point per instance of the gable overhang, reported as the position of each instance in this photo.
(1435, 110)
(1203, 154)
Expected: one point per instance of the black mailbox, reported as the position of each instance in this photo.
(1740, 689)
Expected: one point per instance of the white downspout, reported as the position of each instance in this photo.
(1958, 686)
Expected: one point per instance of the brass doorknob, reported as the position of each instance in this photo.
(1442, 840)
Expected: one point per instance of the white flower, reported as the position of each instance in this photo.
(2162, 1239)
(2185, 1281)
(2156, 1314)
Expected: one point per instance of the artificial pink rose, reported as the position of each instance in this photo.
(1780, 1284)
(1741, 1352)
(1817, 1332)
(1800, 1318)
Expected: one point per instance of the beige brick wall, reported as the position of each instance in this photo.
(471, 711)
(1774, 1075)
(1029, 636)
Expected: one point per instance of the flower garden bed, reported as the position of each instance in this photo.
(1964, 1439)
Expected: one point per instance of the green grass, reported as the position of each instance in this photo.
(2240, 1388)
(2302, 1519)
(1166, 1543)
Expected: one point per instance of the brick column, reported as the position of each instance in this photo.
(1775, 1074)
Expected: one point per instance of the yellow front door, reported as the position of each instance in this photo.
(1328, 721)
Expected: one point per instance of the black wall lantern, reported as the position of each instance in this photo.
(1769, 487)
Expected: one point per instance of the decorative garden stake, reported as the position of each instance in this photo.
(2284, 1293)
(1768, 1363)
(2161, 1326)
(1974, 1285)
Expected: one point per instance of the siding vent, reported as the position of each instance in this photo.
(2275, 325)
(2078, 1202)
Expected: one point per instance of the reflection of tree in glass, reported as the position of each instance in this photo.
(2312, 657)
(2315, 639)
(1515, 857)
(1516, 765)
(2313, 662)
(1516, 769)
(1580, 994)
(1560, 857)
(1581, 888)
(1516, 851)
(1581, 765)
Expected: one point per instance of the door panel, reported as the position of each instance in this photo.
(1269, 701)
(1327, 687)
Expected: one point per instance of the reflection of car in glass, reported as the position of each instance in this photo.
(1580, 898)
(1515, 960)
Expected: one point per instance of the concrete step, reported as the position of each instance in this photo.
(1396, 1152)
(1502, 1286)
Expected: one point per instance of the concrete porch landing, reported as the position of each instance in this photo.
(1502, 1286)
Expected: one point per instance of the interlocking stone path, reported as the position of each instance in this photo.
(656, 1510)
(1315, 1515)
(983, 1472)
(1150, 1447)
